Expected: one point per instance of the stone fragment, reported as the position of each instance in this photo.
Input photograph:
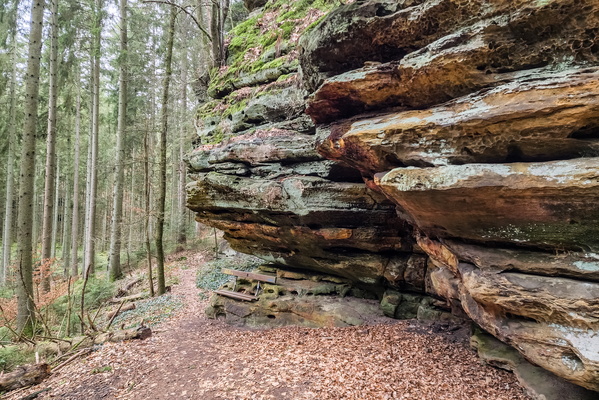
(389, 303)
(562, 301)
(567, 351)
(253, 4)
(378, 31)
(297, 302)
(269, 146)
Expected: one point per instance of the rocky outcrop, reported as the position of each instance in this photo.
(478, 119)
(449, 165)
(487, 202)
(258, 177)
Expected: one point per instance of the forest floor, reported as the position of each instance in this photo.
(192, 357)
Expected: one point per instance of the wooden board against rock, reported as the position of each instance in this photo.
(250, 275)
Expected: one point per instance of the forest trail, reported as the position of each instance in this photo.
(192, 357)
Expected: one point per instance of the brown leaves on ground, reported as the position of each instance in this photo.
(192, 357)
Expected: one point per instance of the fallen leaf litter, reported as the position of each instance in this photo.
(193, 357)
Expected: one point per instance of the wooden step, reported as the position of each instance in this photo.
(236, 295)
(250, 275)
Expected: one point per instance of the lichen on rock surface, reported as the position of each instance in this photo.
(448, 166)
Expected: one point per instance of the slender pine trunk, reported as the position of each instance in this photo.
(50, 175)
(55, 213)
(76, 162)
(147, 213)
(162, 154)
(117, 208)
(25, 302)
(66, 231)
(7, 233)
(89, 258)
(181, 196)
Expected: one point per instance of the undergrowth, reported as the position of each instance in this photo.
(12, 356)
(152, 311)
(210, 277)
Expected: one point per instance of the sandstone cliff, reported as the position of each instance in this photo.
(452, 150)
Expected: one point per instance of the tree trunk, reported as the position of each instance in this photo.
(181, 196)
(224, 11)
(215, 33)
(88, 166)
(35, 235)
(23, 376)
(88, 263)
(117, 208)
(204, 59)
(7, 233)
(105, 217)
(76, 162)
(26, 306)
(59, 202)
(66, 231)
(147, 216)
(131, 216)
(162, 154)
(50, 155)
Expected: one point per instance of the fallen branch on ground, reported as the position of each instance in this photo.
(133, 297)
(23, 376)
(143, 332)
(70, 359)
(122, 291)
(128, 307)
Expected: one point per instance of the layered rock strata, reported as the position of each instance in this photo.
(478, 119)
(452, 152)
(258, 177)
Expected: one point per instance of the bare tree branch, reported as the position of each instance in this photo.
(184, 9)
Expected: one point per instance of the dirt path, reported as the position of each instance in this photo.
(192, 357)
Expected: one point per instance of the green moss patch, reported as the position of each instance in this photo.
(277, 27)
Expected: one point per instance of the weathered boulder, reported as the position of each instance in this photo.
(379, 31)
(301, 297)
(303, 221)
(562, 340)
(306, 302)
(577, 265)
(253, 4)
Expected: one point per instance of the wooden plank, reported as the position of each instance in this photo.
(236, 295)
(250, 275)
